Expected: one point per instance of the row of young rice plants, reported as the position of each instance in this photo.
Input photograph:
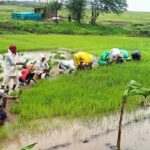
(83, 94)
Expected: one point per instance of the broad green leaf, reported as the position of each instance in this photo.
(29, 147)
(143, 91)
(131, 86)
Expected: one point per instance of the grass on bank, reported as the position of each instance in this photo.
(61, 28)
(128, 17)
(128, 23)
(93, 44)
(6, 10)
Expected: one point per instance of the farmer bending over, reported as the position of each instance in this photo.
(67, 66)
(83, 60)
(136, 55)
(27, 75)
(42, 67)
(125, 54)
(104, 58)
(116, 55)
(10, 70)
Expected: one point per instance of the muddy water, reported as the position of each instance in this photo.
(135, 137)
(94, 134)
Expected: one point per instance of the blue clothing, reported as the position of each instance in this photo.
(2, 115)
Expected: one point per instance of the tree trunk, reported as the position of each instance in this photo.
(93, 21)
(78, 18)
(95, 14)
(120, 125)
(56, 15)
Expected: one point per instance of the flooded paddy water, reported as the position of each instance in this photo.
(93, 134)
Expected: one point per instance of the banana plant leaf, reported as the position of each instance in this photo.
(142, 91)
(133, 85)
(29, 147)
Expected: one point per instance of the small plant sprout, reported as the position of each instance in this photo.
(133, 88)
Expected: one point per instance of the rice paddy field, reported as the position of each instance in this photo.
(84, 94)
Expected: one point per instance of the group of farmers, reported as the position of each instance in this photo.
(80, 60)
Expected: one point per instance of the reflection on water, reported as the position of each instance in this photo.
(94, 134)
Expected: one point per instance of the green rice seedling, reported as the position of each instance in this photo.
(27, 60)
(1, 69)
(3, 133)
(1, 78)
(83, 94)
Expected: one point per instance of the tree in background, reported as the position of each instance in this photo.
(106, 6)
(54, 6)
(76, 8)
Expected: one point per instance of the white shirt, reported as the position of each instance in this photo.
(41, 65)
(69, 64)
(114, 53)
(10, 68)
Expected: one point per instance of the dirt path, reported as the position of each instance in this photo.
(10, 116)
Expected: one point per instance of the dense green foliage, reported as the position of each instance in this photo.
(106, 6)
(54, 6)
(76, 8)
